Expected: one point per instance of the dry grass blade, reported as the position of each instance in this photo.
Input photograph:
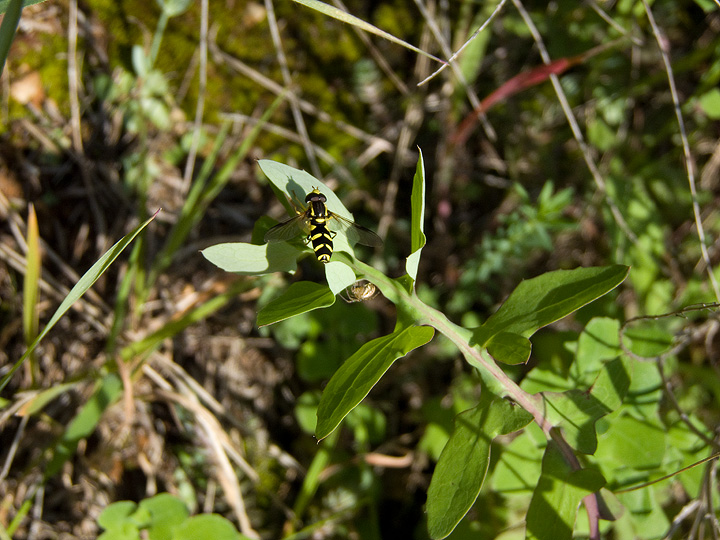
(475, 34)
(226, 475)
(200, 106)
(287, 79)
(447, 51)
(340, 15)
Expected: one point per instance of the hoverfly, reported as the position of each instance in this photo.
(359, 292)
(315, 219)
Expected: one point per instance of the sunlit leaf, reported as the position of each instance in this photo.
(356, 377)
(339, 276)
(464, 461)
(300, 297)
(249, 259)
(545, 299)
(577, 411)
(557, 496)
(345, 17)
(417, 221)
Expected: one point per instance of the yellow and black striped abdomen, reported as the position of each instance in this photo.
(321, 238)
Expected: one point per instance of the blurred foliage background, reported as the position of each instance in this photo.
(111, 110)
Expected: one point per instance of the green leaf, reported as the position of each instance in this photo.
(518, 469)
(345, 17)
(417, 221)
(249, 259)
(43, 397)
(509, 348)
(106, 393)
(648, 338)
(116, 514)
(598, 342)
(339, 276)
(356, 377)
(464, 461)
(576, 411)
(300, 297)
(210, 526)
(85, 282)
(710, 103)
(167, 513)
(126, 531)
(557, 496)
(12, 10)
(547, 298)
(296, 184)
(633, 443)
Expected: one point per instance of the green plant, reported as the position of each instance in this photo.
(162, 517)
(580, 437)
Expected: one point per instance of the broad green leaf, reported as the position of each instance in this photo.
(518, 469)
(547, 298)
(710, 103)
(126, 531)
(417, 221)
(509, 348)
(576, 411)
(85, 282)
(249, 259)
(296, 184)
(116, 514)
(345, 17)
(649, 519)
(306, 411)
(300, 297)
(167, 513)
(106, 393)
(464, 461)
(557, 496)
(356, 377)
(598, 342)
(648, 338)
(632, 443)
(207, 526)
(339, 276)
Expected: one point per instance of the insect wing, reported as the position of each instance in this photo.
(357, 234)
(287, 230)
